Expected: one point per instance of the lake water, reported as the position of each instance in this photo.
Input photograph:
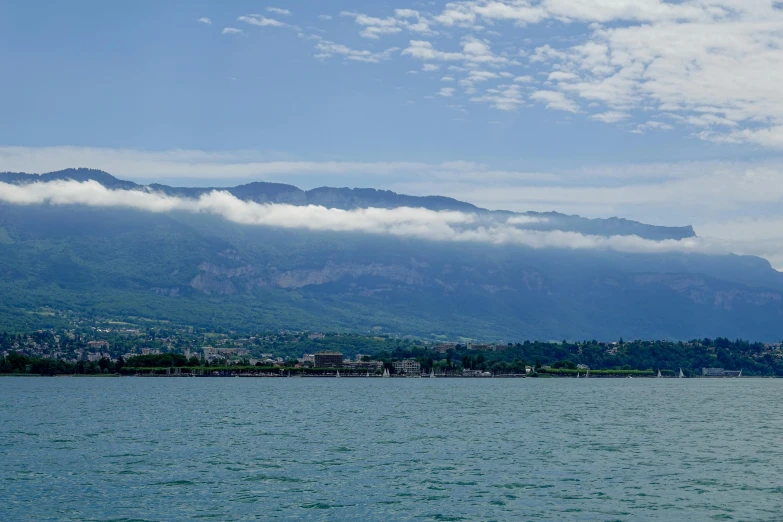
(390, 449)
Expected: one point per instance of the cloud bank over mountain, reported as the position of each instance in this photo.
(418, 223)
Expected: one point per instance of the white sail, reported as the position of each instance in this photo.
(740, 373)
(338, 373)
(432, 373)
(587, 374)
(385, 372)
(659, 372)
(681, 374)
(577, 375)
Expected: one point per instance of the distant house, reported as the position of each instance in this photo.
(443, 348)
(582, 367)
(315, 335)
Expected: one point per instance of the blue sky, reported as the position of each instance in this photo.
(667, 112)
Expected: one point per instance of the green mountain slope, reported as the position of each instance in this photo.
(202, 270)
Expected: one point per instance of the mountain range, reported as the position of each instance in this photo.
(203, 270)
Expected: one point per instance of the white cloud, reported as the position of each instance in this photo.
(231, 30)
(404, 222)
(261, 21)
(279, 11)
(771, 137)
(504, 98)
(205, 20)
(717, 64)
(555, 100)
(446, 92)
(468, 13)
(652, 124)
(375, 32)
(560, 76)
(430, 67)
(474, 52)
(403, 19)
(324, 17)
(327, 49)
(610, 116)
(476, 76)
(447, 79)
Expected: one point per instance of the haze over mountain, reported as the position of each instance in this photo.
(275, 256)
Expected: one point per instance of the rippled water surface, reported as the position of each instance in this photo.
(390, 449)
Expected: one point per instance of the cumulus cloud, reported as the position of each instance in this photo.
(205, 20)
(474, 52)
(652, 124)
(328, 49)
(555, 100)
(403, 221)
(231, 30)
(403, 19)
(610, 116)
(504, 98)
(713, 67)
(279, 11)
(261, 21)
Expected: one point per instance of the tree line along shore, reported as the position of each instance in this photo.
(47, 353)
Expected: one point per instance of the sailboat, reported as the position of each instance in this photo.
(740, 373)
(386, 372)
(577, 375)
(338, 373)
(682, 375)
(659, 372)
(432, 373)
(587, 374)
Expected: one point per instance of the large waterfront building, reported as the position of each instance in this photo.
(329, 360)
(370, 366)
(719, 372)
(407, 367)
